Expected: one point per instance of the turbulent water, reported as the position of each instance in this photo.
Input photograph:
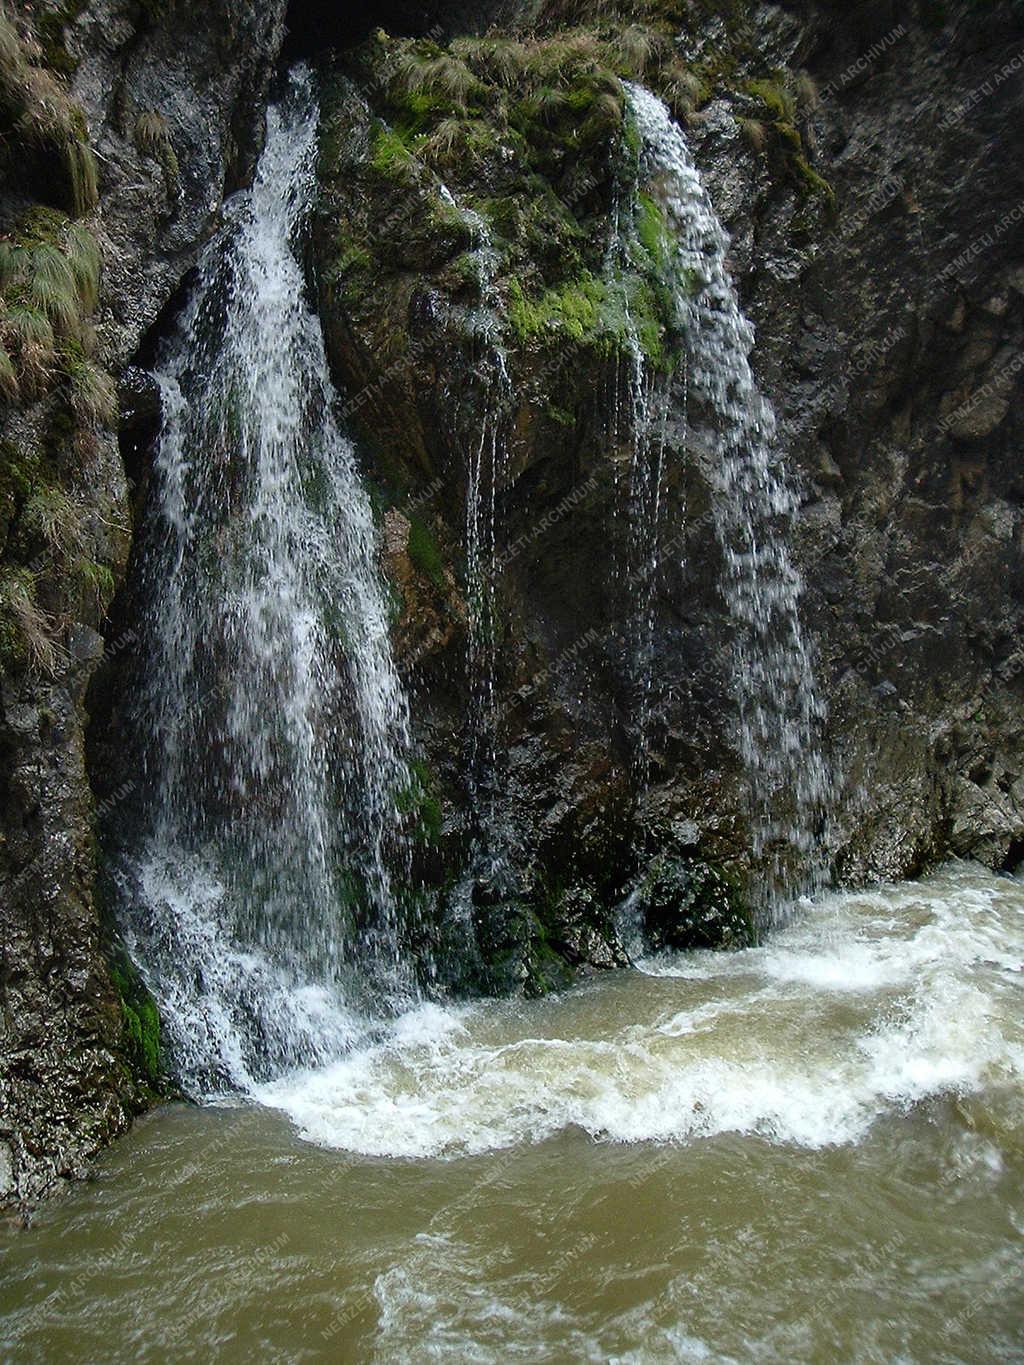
(273, 723)
(812, 1150)
(780, 708)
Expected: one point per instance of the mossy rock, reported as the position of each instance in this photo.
(420, 805)
(423, 551)
(141, 1023)
(686, 903)
(546, 968)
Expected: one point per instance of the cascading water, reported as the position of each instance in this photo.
(780, 710)
(273, 723)
(486, 465)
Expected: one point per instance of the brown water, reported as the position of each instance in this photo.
(811, 1151)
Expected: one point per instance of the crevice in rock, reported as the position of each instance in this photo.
(317, 26)
(1014, 856)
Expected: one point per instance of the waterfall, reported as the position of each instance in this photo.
(273, 724)
(779, 707)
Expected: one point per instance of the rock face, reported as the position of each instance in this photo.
(861, 167)
(494, 302)
(894, 378)
(168, 99)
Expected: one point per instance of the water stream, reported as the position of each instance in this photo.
(486, 467)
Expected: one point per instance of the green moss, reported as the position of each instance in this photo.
(775, 98)
(8, 374)
(653, 232)
(389, 156)
(463, 273)
(19, 474)
(559, 415)
(141, 1021)
(352, 256)
(539, 232)
(448, 227)
(12, 647)
(778, 121)
(607, 316)
(335, 622)
(813, 183)
(573, 308)
(632, 139)
(353, 276)
(546, 969)
(420, 803)
(425, 556)
(649, 306)
(97, 582)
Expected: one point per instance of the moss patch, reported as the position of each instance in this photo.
(141, 1022)
(420, 805)
(424, 553)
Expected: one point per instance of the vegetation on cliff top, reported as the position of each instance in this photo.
(518, 148)
(529, 135)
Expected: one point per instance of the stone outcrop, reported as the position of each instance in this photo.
(861, 167)
(168, 98)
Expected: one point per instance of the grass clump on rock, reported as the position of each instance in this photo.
(38, 116)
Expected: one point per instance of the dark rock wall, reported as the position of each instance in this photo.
(168, 98)
(863, 162)
(891, 346)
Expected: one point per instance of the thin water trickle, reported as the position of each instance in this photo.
(486, 471)
(780, 708)
(273, 722)
(639, 414)
(486, 467)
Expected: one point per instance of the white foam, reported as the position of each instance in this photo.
(775, 1053)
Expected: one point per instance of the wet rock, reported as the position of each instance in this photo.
(171, 98)
(685, 904)
(901, 528)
